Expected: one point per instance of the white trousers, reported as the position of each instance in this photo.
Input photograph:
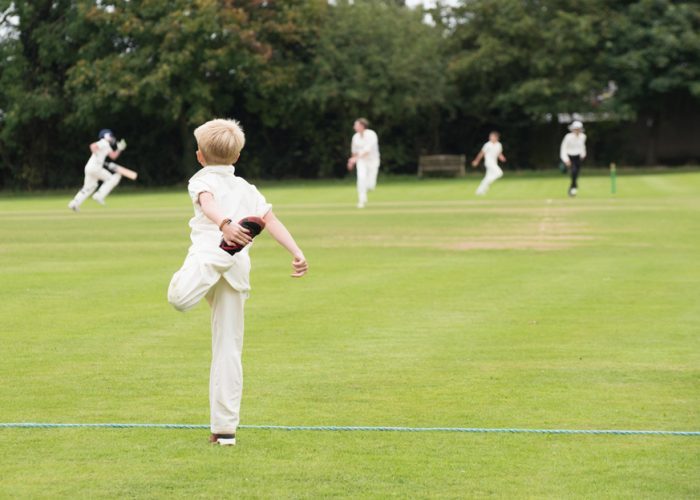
(493, 173)
(188, 286)
(92, 176)
(366, 179)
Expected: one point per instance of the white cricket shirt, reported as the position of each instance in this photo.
(492, 150)
(97, 159)
(366, 146)
(573, 145)
(236, 199)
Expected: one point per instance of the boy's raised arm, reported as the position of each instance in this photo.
(280, 233)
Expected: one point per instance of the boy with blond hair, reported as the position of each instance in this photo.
(220, 198)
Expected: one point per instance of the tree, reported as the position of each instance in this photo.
(38, 46)
(516, 61)
(525, 59)
(381, 61)
(174, 64)
(282, 142)
(652, 51)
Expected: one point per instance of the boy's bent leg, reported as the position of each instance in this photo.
(226, 378)
(191, 283)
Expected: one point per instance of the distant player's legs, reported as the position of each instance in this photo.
(89, 186)
(226, 377)
(362, 177)
(575, 169)
(493, 173)
(109, 182)
(372, 172)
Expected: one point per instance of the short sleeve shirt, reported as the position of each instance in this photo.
(234, 195)
(98, 157)
(492, 150)
(366, 144)
(236, 199)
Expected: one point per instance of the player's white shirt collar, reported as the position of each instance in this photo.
(215, 169)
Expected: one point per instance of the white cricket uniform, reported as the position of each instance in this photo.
(209, 271)
(573, 145)
(366, 147)
(492, 150)
(95, 172)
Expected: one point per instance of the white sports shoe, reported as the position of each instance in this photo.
(360, 205)
(74, 206)
(572, 192)
(99, 200)
(223, 439)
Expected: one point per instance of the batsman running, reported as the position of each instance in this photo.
(98, 169)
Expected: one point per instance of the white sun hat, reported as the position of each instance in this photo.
(576, 125)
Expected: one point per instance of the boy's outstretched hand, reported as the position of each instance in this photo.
(300, 266)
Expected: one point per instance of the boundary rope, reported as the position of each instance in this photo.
(622, 432)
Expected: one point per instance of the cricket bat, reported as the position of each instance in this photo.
(125, 172)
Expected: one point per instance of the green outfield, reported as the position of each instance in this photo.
(428, 308)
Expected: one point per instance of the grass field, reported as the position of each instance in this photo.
(428, 308)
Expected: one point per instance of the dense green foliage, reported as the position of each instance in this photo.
(297, 72)
(428, 308)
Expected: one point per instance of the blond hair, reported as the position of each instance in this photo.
(220, 141)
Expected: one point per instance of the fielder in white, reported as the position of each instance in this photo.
(491, 152)
(572, 152)
(220, 199)
(95, 170)
(365, 158)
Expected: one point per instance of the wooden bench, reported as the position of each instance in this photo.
(443, 164)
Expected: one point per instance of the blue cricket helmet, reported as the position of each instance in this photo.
(104, 132)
